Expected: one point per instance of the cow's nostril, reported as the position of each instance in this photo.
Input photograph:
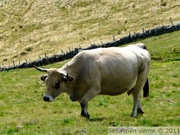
(46, 98)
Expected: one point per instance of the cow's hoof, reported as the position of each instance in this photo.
(133, 116)
(140, 111)
(85, 115)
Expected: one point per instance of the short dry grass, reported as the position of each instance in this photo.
(29, 28)
(24, 112)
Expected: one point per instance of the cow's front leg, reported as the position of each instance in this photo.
(84, 112)
(86, 98)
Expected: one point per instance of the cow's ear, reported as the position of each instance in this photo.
(67, 78)
(43, 77)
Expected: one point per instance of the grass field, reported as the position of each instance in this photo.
(29, 28)
(23, 111)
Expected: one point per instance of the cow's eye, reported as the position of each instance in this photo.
(56, 85)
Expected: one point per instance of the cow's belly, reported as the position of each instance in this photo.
(118, 83)
(118, 76)
(116, 89)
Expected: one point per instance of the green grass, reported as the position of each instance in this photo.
(24, 112)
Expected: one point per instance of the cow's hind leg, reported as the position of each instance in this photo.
(136, 105)
(92, 92)
(137, 109)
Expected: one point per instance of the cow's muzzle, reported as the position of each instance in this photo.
(48, 98)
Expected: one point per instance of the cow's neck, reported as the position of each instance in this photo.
(71, 68)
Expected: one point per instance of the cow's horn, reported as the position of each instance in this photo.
(41, 69)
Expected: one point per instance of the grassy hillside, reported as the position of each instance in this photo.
(23, 111)
(29, 28)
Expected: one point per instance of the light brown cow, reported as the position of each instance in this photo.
(107, 71)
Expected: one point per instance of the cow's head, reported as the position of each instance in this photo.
(55, 82)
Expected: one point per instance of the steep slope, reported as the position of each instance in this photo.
(29, 28)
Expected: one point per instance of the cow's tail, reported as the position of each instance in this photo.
(146, 89)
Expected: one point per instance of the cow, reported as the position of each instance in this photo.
(101, 71)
